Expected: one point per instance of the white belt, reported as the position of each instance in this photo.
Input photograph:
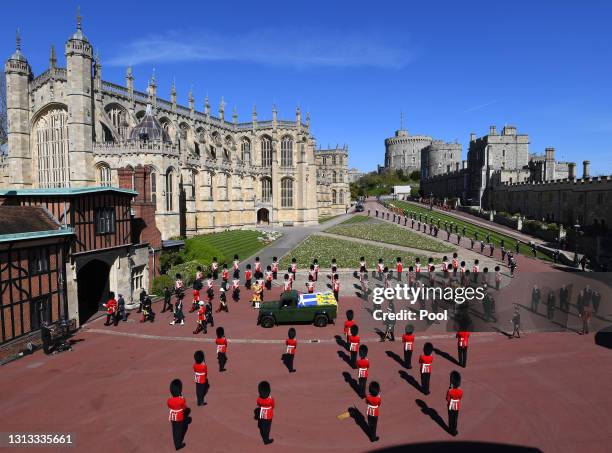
(290, 348)
(363, 372)
(407, 346)
(263, 411)
(221, 347)
(462, 344)
(354, 346)
(425, 367)
(371, 409)
(453, 405)
(174, 413)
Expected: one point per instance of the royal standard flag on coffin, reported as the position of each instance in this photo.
(317, 299)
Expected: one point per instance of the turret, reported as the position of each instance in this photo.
(586, 169)
(549, 164)
(79, 58)
(222, 109)
(206, 106)
(129, 82)
(254, 117)
(152, 90)
(18, 74)
(191, 101)
(173, 95)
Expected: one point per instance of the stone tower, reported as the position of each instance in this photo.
(18, 75)
(79, 97)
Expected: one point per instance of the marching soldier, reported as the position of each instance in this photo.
(475, 271)
(196, 296)
(363, 366)
(334, 266)
(453, 399)
(399, 267)
(167, 299)
(274, 267)
(235, 290)
(179, 317)
(315, 263)
(408, 342)
(310, 284)
(417, 267)
(147, 311)
(221, 343)
(425, 362)
(222, 302)
(224, 277)
(268, 278)
(201, 323)
(380, 267)
(312, 272)
(497, 278)
(199, 274)
(210, 290)
(362, 266)
(111, 310)
(214, 267)
(264, 411)
(455, 264)
(462, 347)
(287, 283)
(258, 272)
(373, 402)
(336, 287)
(291, 344)
(177, 405)
(200, 370)
(256, 298)
(236, 267)
(248, 275)
(294, 267)
(347, 326)
(353, 341)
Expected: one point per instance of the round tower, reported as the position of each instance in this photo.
(79, 59)
(18, 75)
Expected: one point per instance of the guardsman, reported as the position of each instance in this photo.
(261, 282)
(453, 399)
(147, 311)
(177, 405)
(214, 267)
(210, 291)
(417, 267)
(386, 277)
(221, 343)
(222, 301)
(475, 270)
(290, 273)
(201, 323)
(363, 367)
(265, 411)
(236, 267)
(347, 326)
(336, 287)
(235, 289)
(315, 263)
(334, 266)
(287, 283)
(274, 268)
(462, 347)
(373, 402)
(256, 299)
(353, 341)
(224, 276)
(291, 344)
(431, 271)
(199, 274)
(462, 273)
(112, 309)
(444, 266)
(248, 275)
(208, 310)
(257, 268)
(312, 273)
(408, 345)
(380, 267)
(179, 317)
(268, 276)
(293, 268)
(196, 298)
(179, 286)
(310, 284)
(425, 362)
(364, 284)
(399, 267)
(362, 266)
(200, 370)
(455, 264)
(411, 277)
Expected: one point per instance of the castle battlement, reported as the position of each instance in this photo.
(556, 182)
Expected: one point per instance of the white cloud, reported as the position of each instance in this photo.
(299, 49)
(482, 106)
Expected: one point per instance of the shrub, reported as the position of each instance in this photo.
(187, 271)
(160, 282)
(169, 259)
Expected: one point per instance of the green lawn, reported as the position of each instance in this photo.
(223, 245)
(470, 228)
(346, 252)
(326, 218)
(355, 219)
(377, 230)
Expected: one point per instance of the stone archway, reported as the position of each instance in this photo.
(92, 288)
(263, 216)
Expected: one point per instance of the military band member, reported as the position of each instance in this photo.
(399, 267)
(347, 326)
(258, 268)
(353, 341)
(334, 266)
(453, 399)
(444, 266)
(248, 275)
(177, 405)
(235, 290)
(462, 347)
(455, 264)
(274, 268)
(222, 301)
(380, 268)
(214, 267)
(291, 277)
(200, 370)
(408, 345)
(201, 322)
(385, 276)
(224, 276)
(179, 286)
(411, 276)
(265, 411)
(475, 271)
(336, 287)
(291, 344)
(363, 366)
(497, 277)
(287, 283)
(315, 263)
(262, 284)
(363, 281)
(256, 298)
(199, 273)
(111, 310)
(221, 343)
(310, 285)
(195, 299)
(208, 309)
(179, 317)
(425, 362)
(293, 267)
(268, 276)
(362, 266)
(417, 267)
(312, 273)
(373, 402)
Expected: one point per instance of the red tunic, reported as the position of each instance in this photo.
(363, 365)
(354, 343)
(248, 275)
(257, 266)
(196, 295)
(266, 408)
(294, 268)
(201, 314)
(310, 286)
(336, 286)
(201, 372)
(225, 274)
(177, 405)
(425, 361)
(221, 344)
(455, 263)
(275, 267)
(399, 268)
(453, 398)
(287, 285)
(291, 345)
(475, 269)
(347, 326)
(111, 306)
(408, 340)
(462, 339)
(373, 403)
(269, 276)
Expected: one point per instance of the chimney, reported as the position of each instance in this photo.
(492, 130)
(550, 153)
(472, 136)
(571, 170)
(585, 169)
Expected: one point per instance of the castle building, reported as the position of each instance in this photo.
(333, 195)
(70, 128)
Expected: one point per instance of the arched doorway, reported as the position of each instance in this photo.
(263, 216)
(92, 288)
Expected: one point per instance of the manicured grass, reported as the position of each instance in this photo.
(346, 252)
(223, 245)
(355, 219)
(326, 218)
(470, 228)
(377, 230)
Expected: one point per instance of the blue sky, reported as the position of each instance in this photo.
(451, 67)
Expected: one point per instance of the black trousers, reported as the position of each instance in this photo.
(462, 355)
(201, 391)
(353, 359)
(222, 359)
(362, 386)
(264, 429)
(372, 424)
(453, 417)
(336, 295)
(111, 318)
(178, 431)
(289, 360)
(425, 382)
(274, 275)
(247, 284)
(268, 284)
(408, 359)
